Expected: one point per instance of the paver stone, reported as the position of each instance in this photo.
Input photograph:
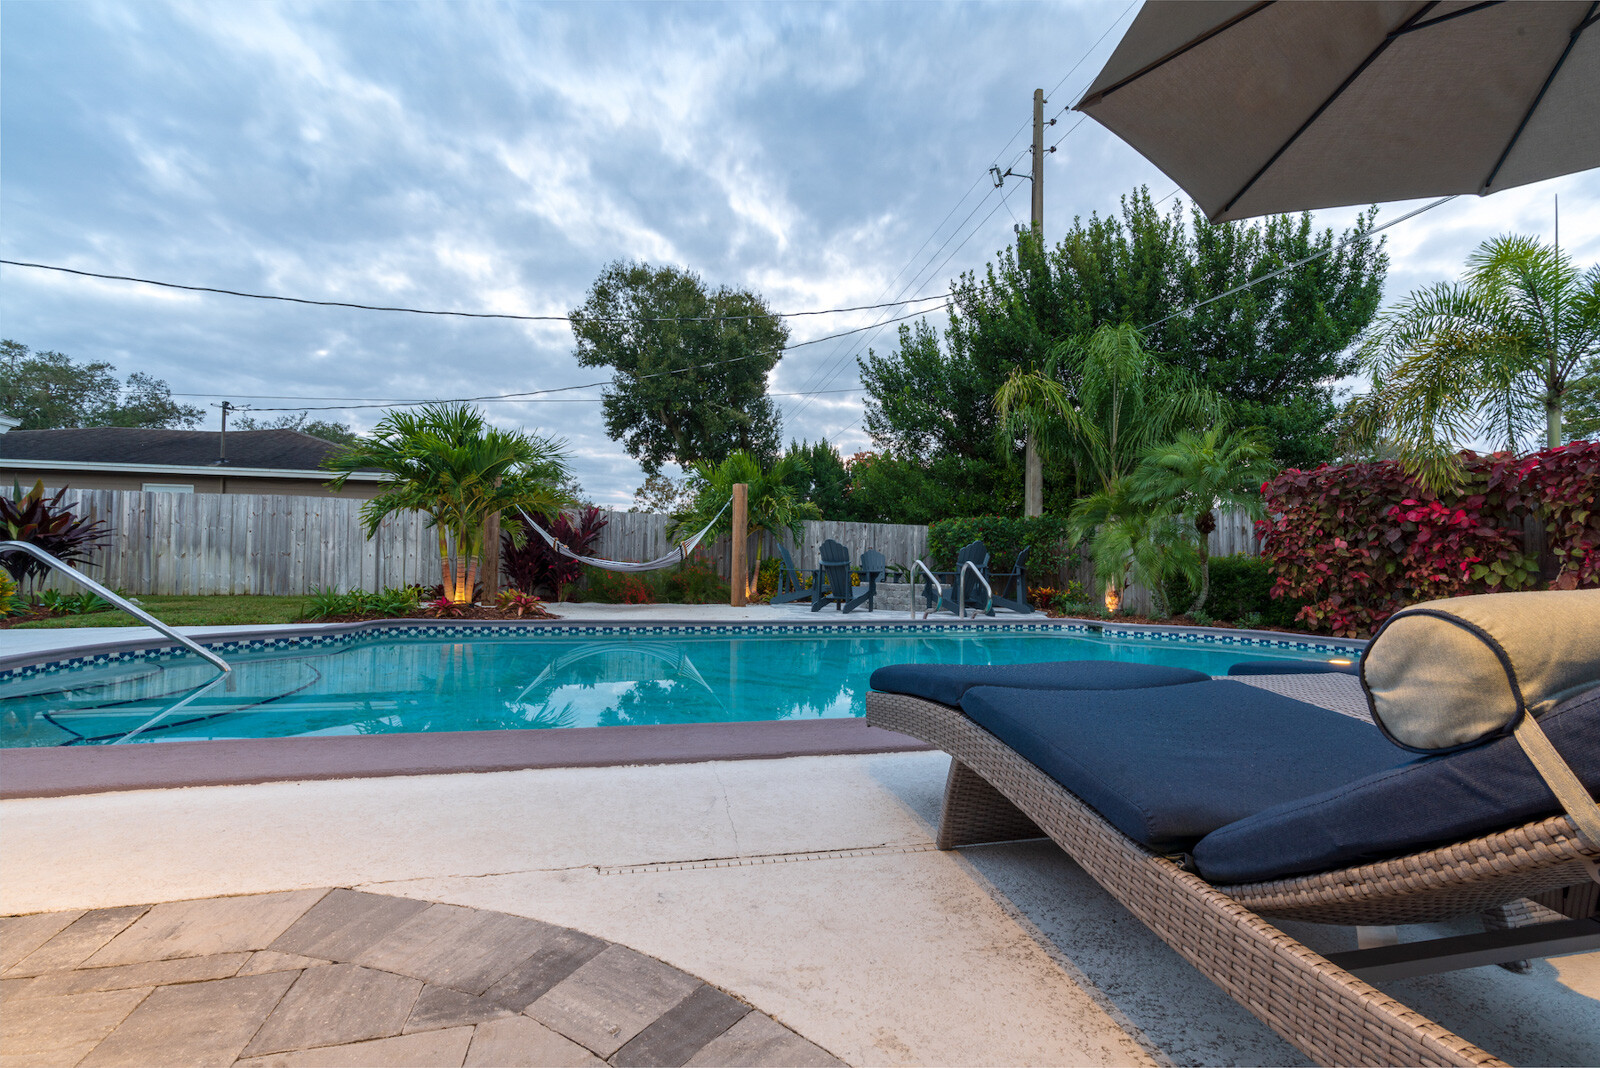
(435, 1049)
(681, 1032)
(267, 960)
(126, 976)
(213, 925)
(344, 923)
(519, 1042)
(612, 998)
(758, 1039)
(45, 1032)
(75, 942)
(335, 1005)
(194, 1025)
(456, 947)
(559, 953)
(21, 935)
(439, 1006)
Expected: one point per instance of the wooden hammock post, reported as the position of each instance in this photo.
(738, 546)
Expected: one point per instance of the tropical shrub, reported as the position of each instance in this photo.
(331, 604)
(28, 517)
(534, 565)
(1004, 536)
(1564, 484)
(1357, 542)
(9, 603)
(447, 462)
(60, 603)
(1241, 593)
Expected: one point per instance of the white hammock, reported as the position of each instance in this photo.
(677, 556)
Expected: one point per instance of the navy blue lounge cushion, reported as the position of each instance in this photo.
(1167, 766)
(946, 683)
(1292, 667)
(1423, 803)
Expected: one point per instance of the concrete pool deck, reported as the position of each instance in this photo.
(804, 888)
(807, 888)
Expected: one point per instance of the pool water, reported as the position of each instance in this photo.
(389, 685)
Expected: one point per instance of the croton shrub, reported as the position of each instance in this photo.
(1357, 542)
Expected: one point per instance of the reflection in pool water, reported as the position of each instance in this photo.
(388, 685)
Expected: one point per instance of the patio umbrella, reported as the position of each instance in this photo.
(1255, 108)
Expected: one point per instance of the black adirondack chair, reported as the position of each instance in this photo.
(1011, 587)
(791, 585)
(835, 586)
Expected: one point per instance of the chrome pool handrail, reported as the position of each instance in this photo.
(115, 598)
(961, 590)
(931, 578)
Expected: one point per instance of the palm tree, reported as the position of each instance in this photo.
(773, 503)
(1032, 405)
(1491, 356)
(1127, 403)
(1132, 540)
(445, 461)
(1200, 474)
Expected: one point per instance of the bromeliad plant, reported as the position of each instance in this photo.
(534, 564)
(29, 517)
(445, 461)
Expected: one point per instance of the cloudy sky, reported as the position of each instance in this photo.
(495, 157)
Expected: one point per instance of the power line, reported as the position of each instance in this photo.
(470, 315)
(568, 389)
(831, 368)
(1132, 4)
(398, 401)
(1362, 235)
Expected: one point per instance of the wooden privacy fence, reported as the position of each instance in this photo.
(206, 543)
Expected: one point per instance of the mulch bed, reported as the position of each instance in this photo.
(474, 611)
(11, 621)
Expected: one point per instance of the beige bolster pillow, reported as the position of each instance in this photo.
(1449, 673)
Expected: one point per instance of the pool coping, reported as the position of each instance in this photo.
(58, 771)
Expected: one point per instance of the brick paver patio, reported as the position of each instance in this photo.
(342, 977)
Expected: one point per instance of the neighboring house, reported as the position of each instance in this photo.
(175, 461)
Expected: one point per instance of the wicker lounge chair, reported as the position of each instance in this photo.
(1321, 1004)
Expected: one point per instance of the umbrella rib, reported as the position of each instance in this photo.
(1383, 46)
(1170, 56)
(1588, 20)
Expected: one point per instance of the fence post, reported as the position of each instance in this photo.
(738, 546)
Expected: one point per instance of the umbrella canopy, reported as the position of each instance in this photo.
(1255, 108)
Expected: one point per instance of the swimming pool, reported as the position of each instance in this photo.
(396, 680)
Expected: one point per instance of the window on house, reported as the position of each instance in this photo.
(167, 487)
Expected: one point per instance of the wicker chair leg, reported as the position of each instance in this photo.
(1515, 914)
(976, 812)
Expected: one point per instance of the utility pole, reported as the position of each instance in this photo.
(1032, 463)
(1038, 166)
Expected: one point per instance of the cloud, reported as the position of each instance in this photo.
(493, 157)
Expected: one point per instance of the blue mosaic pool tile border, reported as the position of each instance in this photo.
(435, 631)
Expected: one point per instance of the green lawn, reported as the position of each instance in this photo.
(192, 612)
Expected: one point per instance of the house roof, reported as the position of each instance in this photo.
(282, 450)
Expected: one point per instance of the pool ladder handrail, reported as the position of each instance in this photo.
(115, 598)
(931, 578)
(961, 591)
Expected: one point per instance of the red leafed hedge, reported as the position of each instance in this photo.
(1360, 541)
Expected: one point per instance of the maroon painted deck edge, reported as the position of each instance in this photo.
(63, 770)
